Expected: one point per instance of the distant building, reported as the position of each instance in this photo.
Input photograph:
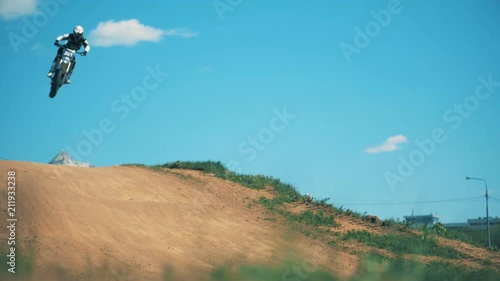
(420, 220)
(479, 223)
(456, 225)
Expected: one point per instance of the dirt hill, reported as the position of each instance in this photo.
(134, 223)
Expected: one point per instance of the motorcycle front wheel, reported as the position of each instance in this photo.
(56, 83)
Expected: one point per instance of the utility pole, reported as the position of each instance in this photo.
(487, 209)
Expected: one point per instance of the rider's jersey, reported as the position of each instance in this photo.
(73, 43)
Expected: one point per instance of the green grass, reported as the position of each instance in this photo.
(159, 169)
(307, 217)
(262, 273)
(372, 267)
(250, 181)
(211, 167)
(477, 237)
(422, 245)
(349, 212)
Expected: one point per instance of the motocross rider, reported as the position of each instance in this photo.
(74, 41)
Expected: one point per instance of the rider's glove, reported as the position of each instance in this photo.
(56, 43)
(84, 53)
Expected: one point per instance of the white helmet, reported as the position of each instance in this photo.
(78, 31)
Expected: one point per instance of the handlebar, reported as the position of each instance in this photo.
(62, 45)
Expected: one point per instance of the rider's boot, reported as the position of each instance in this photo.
(68, 81)
(51, 71)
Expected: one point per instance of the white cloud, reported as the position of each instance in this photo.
(205, 69)
(126, 32)
(130, 32)
(390, 144)
(12, 9)
(182, 32)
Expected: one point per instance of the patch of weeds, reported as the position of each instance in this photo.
(421, 245)
(306, 217)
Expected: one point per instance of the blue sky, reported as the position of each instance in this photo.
(329, 96)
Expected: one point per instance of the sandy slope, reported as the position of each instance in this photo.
(125, 223)
(129, 223)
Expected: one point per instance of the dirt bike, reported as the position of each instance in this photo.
(63, 66)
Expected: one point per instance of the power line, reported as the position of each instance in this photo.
(415, 202)
(494, 198)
